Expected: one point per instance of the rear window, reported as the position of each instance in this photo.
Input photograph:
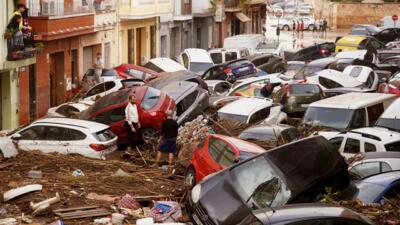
(229, 56)
(216, 57)
(151, 98)
(328, 83)
(104, 135)
(109, 73)
(393, 147)
(304, 89)
(239, 63)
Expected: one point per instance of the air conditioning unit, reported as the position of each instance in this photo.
(49, 7)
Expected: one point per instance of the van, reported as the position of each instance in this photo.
(387, 22)
(222, 55)
(391, 117)
(352, 43)
(249, 41)
(196, 60)
(348, 111)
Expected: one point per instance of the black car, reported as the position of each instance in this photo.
(388, 35)
(364, 30)
(313, 67)
(307, 214)
(182, 75)
(268, 63)
(293, 173)
(313, 52)
(231, 71)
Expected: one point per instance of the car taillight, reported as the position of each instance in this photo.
(98, 147)
(228, 71)
(288, 90)
(238, 94)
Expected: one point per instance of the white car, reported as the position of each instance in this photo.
(253, 110)
(309, 23)
(372, 163)
(196, 60)
(369, 139)
(69, 109)
(328, 79)
(221, 55)
(104, 88)
(249, 41)
(272, 47)
(364, 74)
(161, 64)
(391, 117)
(243, 84)
(61, 135)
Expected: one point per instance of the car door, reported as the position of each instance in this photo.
(351, 147)
(210, 161)
(30, 138)
(76, 142)
(338, 143)
(117, 122)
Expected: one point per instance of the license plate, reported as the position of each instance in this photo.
(243, 69)
(196, 219)
(304, 105)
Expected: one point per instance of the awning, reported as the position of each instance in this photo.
(243, 18)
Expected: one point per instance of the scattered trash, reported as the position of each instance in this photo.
(49, 201)
(104, 220)
(57, 222)
(36, 174)
(78, 173)
(42, 210)
(8, 221)
(5, 165)
(121, 173)
(128, 202)
(13, 193)
(26, 219)
(166, 211)
(104, 198)
(3, 211)
(81, 212)
(117, 218)
(145, 221)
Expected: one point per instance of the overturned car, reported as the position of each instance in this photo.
(292, 173)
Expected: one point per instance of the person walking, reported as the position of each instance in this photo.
(294, 28)
(302, 28)
(315, 27)
(98, 67)
(169, 133)
(298, 29)
(131, 121)
(325, 27)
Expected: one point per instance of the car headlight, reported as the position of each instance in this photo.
(196, 193)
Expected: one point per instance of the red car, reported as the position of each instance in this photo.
(110, 110)
(217, 152)
(126, 71)
(389, 89)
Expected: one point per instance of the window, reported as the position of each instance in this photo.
(337, 142)
(216, 57)
(66, 110)
(190, 99)
(393, 147)
(103, 118)
(117, 114)
(76, 135)
(57, 133)
(374, 112)
(359, 119)
(369, 168)
(104, 135)
(185, 60)
(328, 83)
(135, 73)
(355, 72)
(215, 148)
(33, 133)
(368, 147)
(228, 157)
(244, 53)
(229, 56)
(290, 135)
(100, 88)
(259, 115)
(352, 146)
(151, 98)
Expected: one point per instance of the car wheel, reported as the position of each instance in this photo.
(190, 178)
(149, 134)
(279, 70)
(310, 27)
(286, 27)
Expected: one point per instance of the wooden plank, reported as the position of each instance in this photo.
(86, 216)
(82, 212)
(76, 208)
(5, 165)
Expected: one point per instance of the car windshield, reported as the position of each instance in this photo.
(392, 124)
(328, 117)
(264, 189)
(151, 98)
(304, 89)
(234, 117)
(200, 68)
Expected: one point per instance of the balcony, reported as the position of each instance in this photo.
(202, 8)
(182, 10)
(56, 19)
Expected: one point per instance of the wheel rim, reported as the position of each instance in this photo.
(189, 180)
(149, 135)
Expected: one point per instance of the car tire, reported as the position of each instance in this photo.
(279, 70)
(149, 135)
(286, 28)
(310, 27)
(190, 178)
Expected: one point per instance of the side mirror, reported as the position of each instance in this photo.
(16, 137)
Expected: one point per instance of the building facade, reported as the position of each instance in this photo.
(72, 32)
(139, 29)
(203, 24)
(15, 75)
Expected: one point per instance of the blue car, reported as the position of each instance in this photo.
(374, 189)
(232, 71)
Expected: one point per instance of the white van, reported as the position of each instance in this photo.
(391, 117)
(387, 22)
(221, 55)
(161, 64)
(196, 60)
(348, 111)
(249, 41)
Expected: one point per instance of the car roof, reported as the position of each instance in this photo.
(381, 155)
(260, 56)
(241, 145)
(198, 55)
(377, 133)
(141, 68)
(167, 64)
(93, 127)
(358, 54)
(178, 89)
(336, 76)
(383, 179)
(216, 50)
(293, 212)
(393, 111)
(322, 61)
(81, 106)
(353, 39)
(262, 128)
(352, 100)
(246, 106)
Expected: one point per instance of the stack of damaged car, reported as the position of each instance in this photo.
(292, 173)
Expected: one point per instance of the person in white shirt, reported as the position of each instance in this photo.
(98, 67)
(131, 120)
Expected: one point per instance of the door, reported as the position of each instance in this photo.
(74, 140)
(153, 42)
(57, 79)
(107, 55)
(117, 122)
(87, 58)
(210, 161)
(131, 46)
(32, 93)
(74, 68)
